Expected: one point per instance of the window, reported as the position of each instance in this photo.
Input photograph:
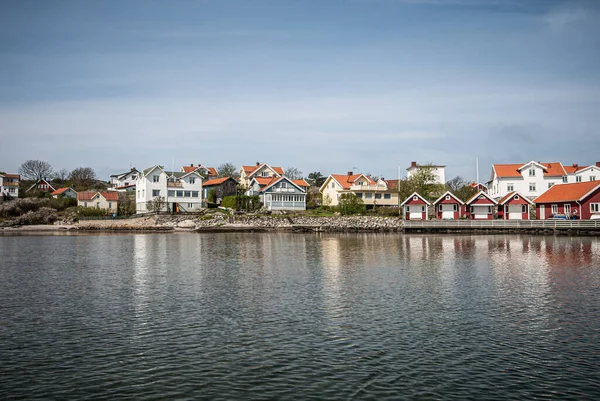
(110, 205)
(359, 195)
(565, 179)
(180, 194)
(368, 195)
(578, 178)
(156, 178)
(143, 193)
(550, 184)
(194, 194)
(333, 185)
(554, 209)
(415, 197)
(455, 208)
(192, 180)
(187, 194)
(567, 208)
(532, 187)
(447, 197)
(422, 208)
(489, 210)
(171, 193)
(595, 207)
(510, 187)
(133, 177)
(155, 192)
(264, 174)
(523, 209)
(532, 172)
(516, 197)
(440, 207)
(11, 189)
(592, 178)
(190, 205)
(84, 204)
(377, 196)
(387, 196)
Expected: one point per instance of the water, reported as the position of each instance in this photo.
(290, 316)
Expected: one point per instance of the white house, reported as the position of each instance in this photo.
(577, 173)
(530, 179)
(181, 191)
(124, 181)
(247, 173)
(65, 192)
(9, 185)
(438, 170)
(279, 193)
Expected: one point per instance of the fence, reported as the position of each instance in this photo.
(491, 224)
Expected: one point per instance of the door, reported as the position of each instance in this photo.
(515, 212)
(416, 213)
(480, 212)
(542, 212)
(448, 212)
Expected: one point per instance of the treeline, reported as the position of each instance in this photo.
(80, 178)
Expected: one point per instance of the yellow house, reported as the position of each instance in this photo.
(373, 193)
(247, 173)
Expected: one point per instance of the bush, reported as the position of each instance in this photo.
(351, 204)
(242, 202)
(44, 215)
(90, 211)
(385, 211)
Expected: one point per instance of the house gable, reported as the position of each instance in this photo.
(481, 198)
(415, 199)
(452, 199)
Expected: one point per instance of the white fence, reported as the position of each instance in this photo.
(474, 224)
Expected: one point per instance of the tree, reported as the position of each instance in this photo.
(351, 204)
(126, 205)
(293, 173)
(83, 177)
(461, 188)
(424, 182)
(61, 176)
(156, 205)
(316, 179)
(227, 170)
(35, 170)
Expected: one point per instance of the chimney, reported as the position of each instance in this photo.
(597, 164)
(413, 164)
(192, 165)
(575, 165)
(258, 163)
(349, 172)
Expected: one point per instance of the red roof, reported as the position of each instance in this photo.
(89, 195)
(477, 195)
(346, 181)
(512, 170)
(567, 192)
(211, 170)
(215, 181)
(392, 184)
(249, 170)
(17, 176)
(301, 183)
(60, 191)
(572, 169)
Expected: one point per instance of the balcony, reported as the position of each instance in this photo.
(368, 188)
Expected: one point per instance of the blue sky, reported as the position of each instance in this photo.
(323, 85)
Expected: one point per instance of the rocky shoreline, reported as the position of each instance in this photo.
(219, 222)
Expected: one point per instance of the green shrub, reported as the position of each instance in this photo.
(90, 211)
(242, 202)
(351, 204)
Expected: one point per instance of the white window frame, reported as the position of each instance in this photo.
(516, 197)
(578, 178)
(510, 187)
(594, 207)
(156, 178)
(447, 197)
(565, 179)
(532, 172)
(567, 207)
(532, 187)
(555, 209)
(592, 178)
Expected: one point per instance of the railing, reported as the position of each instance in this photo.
(368, 188)
(465, 224)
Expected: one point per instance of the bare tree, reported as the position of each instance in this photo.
(227, 170)
(83, 177)
(35, 170)
(62, 175)
(156, 204)
(293, 173)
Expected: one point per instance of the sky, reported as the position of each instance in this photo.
(320, 85)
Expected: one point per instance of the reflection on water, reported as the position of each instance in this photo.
(282, 316)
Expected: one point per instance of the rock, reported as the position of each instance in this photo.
(186, 224)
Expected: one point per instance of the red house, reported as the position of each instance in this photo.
(514, 206)
(580, 200)
(449, 207)
(481, 206)
(415, 207)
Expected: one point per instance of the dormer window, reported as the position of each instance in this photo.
(532, 172)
